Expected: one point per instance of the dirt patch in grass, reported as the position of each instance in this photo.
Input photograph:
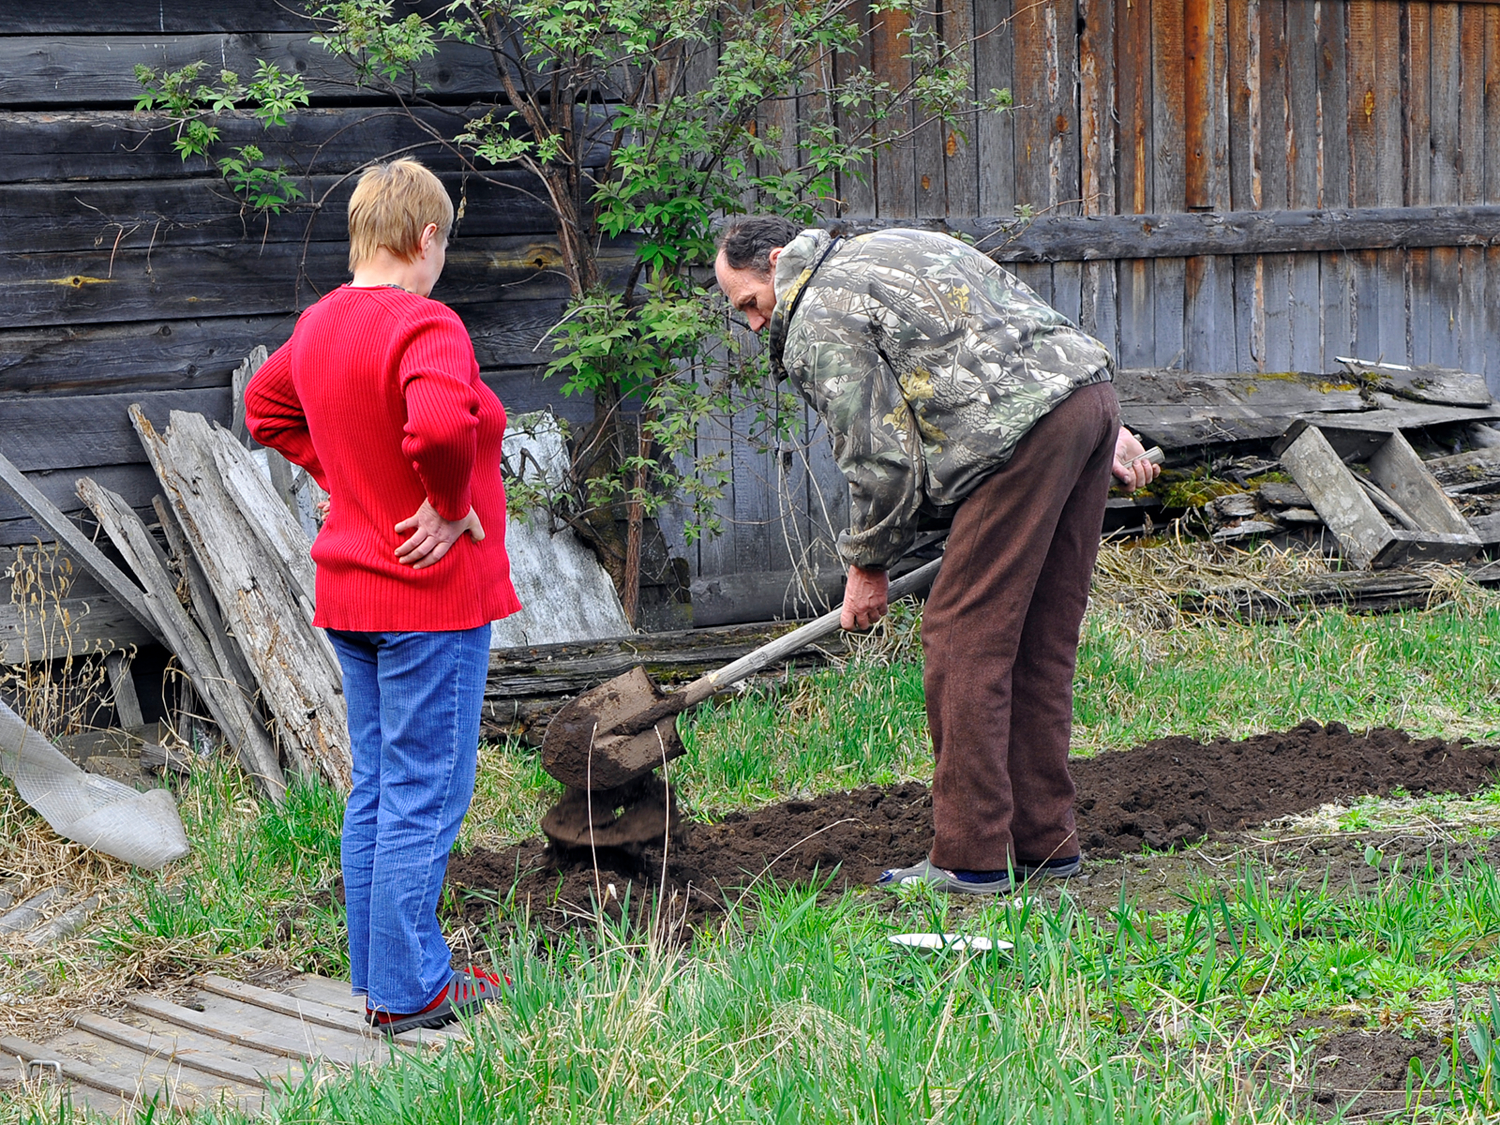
(1364, 1075)
(1168, 792)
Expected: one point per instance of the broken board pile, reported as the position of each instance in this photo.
(1426, 434)
(227, 589)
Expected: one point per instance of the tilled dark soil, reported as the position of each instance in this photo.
(1169, 791)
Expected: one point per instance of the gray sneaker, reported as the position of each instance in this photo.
(925, 872)
(1064, 867)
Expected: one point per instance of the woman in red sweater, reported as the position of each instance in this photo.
(377, 394)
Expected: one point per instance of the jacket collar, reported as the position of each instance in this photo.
(795, 266)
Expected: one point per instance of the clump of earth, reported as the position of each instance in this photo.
(1167, 792)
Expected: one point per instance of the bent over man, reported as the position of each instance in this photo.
(955, 396)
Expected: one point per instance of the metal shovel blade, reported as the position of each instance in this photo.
(577, 754)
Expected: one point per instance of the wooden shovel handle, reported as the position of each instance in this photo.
(705, 686)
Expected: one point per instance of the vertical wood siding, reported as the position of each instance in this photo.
(1167, 106)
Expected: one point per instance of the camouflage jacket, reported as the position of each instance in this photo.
(928, 363)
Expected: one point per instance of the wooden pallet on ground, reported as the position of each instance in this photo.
(228, 1043)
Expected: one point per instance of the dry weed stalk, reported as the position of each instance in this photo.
(59, 684)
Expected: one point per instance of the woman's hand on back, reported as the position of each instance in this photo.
(432, 535)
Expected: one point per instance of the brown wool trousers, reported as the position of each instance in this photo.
(1000, 635)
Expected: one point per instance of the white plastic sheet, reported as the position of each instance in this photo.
(140, 828)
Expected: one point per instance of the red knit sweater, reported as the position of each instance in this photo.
(377, 394)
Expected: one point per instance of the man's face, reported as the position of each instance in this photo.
(749, 292)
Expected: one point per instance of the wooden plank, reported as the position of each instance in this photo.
(1209, 308)
(132, 1090)
(260, 607)
(1067, 289)
(1136, 185)
(1243, 32)
(306, 1010)
(1272, 190)
(183, 636)
(1362, 62)
(1437, 156)
(136, 214)
(1097, 131)
(1471, 337)
(930, 185)
(565, 669)
(994, 69)
(325, 990)
(1037, 277)
(1098, 314)
(1205, 116)
(122, 692)
(1397, 469)
(86, 17)
(239, 279)
(1350, 514)
(155, 354)
(223, 1019)
(714, 451)
(183, 1048)
(1046, 118)
(1492, 103)
(960, 145)
(99, 69)
(1274, 154)
(1436, 385)
(1190, 234)
(82, 431)
(1392, 320)
(205, 608)
(69, 626)
(1169, 172)
(1303, 184)
(1243, 94)
(1335, 272)
(76, 145)
(134, 482)
(1491, 328)
(757, 541)
(121, 588)
(1407, 416)
(895, 175)
(1276, 298)
(857, 183)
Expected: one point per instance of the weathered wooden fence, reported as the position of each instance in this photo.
(1213, 184)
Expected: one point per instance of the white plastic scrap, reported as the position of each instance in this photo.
(140, 828)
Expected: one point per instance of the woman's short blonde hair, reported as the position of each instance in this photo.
(391, 206)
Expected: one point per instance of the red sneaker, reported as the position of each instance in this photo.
(465, 993)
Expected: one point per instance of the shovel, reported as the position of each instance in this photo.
(624, 728)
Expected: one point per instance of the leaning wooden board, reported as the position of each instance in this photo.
(228, 1043)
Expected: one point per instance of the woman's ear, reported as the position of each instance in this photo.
(428, 237)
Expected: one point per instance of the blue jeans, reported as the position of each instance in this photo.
(414, 701)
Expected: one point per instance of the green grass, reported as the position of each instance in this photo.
(798, 1008)
(258, 880)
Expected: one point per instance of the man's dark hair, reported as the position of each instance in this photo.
(747, 241)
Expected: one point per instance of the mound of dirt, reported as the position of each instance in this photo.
(1166, 792)
(1176, 790)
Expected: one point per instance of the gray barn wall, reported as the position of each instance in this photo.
(129, 276)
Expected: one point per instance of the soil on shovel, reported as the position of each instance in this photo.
(1166, 792)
